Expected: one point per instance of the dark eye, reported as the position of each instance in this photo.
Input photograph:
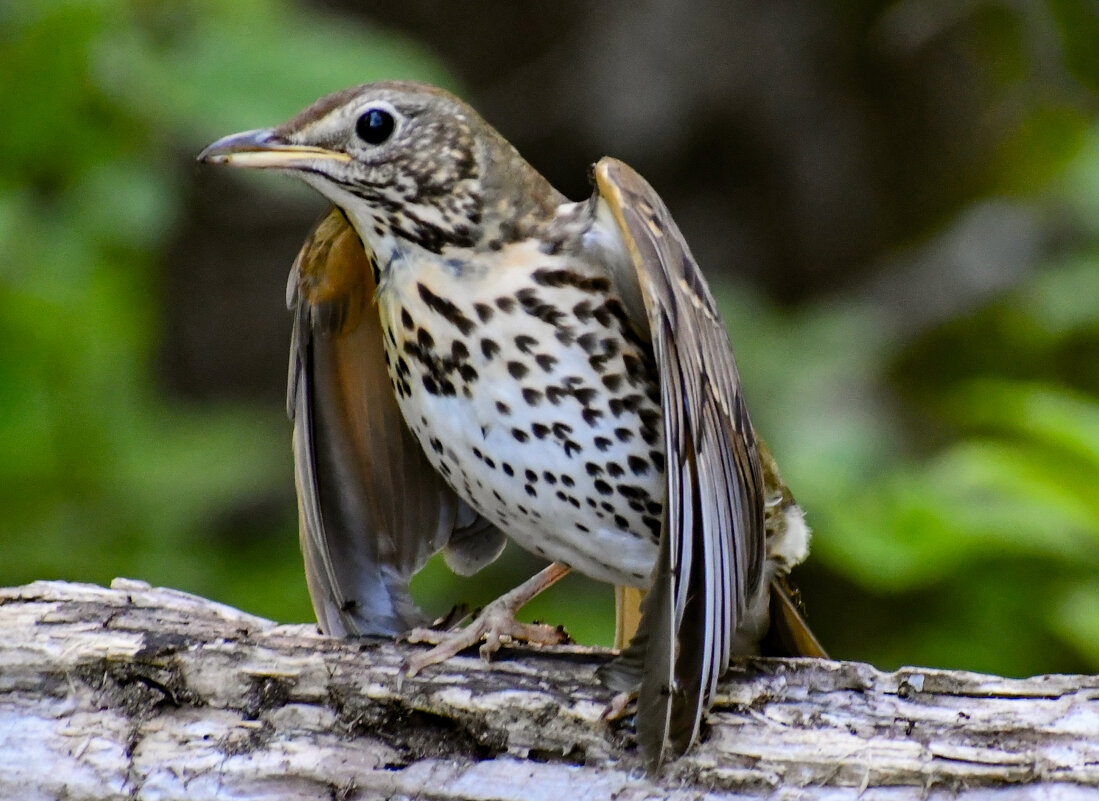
(375, 126)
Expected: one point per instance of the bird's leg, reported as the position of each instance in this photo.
(494, 625)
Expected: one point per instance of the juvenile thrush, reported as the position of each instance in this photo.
(475, 356)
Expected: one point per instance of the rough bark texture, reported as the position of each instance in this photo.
(136, 692)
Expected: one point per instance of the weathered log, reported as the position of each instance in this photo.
(136, 692)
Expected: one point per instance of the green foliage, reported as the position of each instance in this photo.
(972, 538)
(101, 475)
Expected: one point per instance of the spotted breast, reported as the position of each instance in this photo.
(535, 399)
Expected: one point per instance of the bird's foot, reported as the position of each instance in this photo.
(618, 706)
(494, 627)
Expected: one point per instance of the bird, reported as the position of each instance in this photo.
(476, 358)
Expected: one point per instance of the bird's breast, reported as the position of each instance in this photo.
(522, 379)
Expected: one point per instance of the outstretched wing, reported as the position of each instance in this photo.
(712, 545)
(371, 508)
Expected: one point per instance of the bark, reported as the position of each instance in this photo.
(137, 692)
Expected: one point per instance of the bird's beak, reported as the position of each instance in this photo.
(263, 149)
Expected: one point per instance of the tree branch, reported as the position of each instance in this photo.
(152, 693)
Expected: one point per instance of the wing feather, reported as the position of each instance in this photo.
(372, 510)
(712, 544)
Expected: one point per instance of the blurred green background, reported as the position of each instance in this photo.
(897, 203)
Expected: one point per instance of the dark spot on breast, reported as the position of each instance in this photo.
(591, 416)
(520, 435)
(489, 348)
(589, 342)
(582, 527)
(406, 319)
(445, 309)
(585, 395)
(602, 443)
(621, 522)
(615, 469)
(539, 430)
(545, 361)
(559, 278)
(508, 469)
(593, 469)
(561, 430)
(572, 447)
(530, 490)
(567, 480)
(602, 487)
(623, 434)
(565, 335)
(549, 477)
(638, 465)
(424, 339)
(532, 396)
(468, 373)
(658, 460)
(517, 369)
(555, 394)
(525, 343)
(502, 407)
(582, 311)
(458, 351)
(484, 311)
(653, 525)
(430, 385)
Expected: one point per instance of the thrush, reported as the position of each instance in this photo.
(477, 358)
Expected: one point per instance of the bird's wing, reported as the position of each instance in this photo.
(372, 510)
(712, 545)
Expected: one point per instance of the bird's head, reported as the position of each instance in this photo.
(408, 163)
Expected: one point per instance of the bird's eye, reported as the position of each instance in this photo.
(375, 126)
